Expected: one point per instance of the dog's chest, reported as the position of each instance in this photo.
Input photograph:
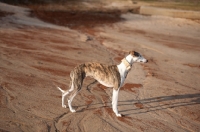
(123, 73)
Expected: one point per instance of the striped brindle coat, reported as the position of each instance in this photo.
(108, 75)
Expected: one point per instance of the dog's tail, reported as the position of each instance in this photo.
(61, 90)
(71, 84)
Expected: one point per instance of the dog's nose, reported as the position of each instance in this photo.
(146, 61)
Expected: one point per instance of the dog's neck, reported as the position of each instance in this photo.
(124, 67)
(128, 61)
(127, 64)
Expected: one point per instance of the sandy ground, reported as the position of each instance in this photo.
(35, 57)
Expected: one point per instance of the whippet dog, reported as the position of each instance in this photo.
(108, 75)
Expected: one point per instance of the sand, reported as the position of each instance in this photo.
(36, 57)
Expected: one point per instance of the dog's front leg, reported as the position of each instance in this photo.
(115, 101)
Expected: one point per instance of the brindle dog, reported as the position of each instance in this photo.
(107, 75)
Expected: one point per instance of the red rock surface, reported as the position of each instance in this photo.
(36, 57)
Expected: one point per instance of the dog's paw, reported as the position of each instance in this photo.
(118, 115)
(73, 111)
(64, 106)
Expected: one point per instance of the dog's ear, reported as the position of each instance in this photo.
(131, 53)
(134, 53)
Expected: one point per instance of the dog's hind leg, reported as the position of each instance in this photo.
(71, 97)
(70, 101)
(64, 93)
(63, 99)
(77, 77)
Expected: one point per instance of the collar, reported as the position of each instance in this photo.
(127, 64)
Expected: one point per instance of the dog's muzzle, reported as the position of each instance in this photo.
(144, 61)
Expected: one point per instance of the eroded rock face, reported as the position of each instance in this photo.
(148, 10)
(77, 3)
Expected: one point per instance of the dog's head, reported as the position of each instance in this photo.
(137, 57)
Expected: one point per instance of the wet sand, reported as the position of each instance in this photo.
(36, 56)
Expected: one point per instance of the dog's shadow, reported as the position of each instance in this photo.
(149, 104)
(146, 105)
(159, 103)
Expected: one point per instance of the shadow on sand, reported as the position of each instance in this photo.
(161, 103)
(150, 104)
